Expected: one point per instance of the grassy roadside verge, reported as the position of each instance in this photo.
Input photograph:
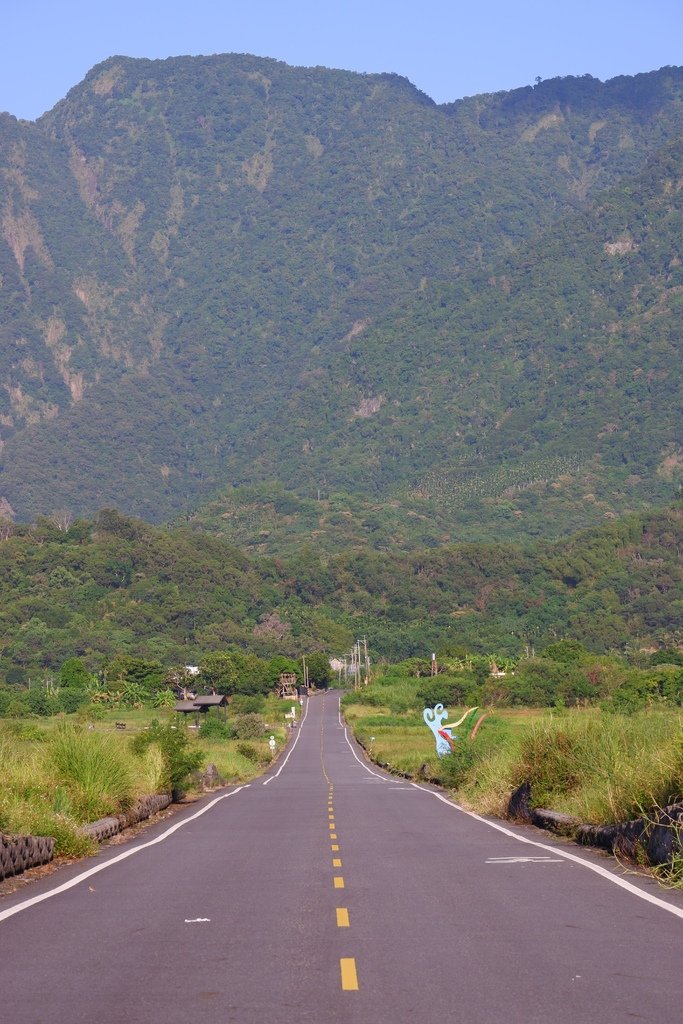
(597, 766)
(60, 773)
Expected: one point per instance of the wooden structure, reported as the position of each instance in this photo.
(287, 686)
(200, 705)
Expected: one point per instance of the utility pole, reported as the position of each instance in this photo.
(355, 664)
(367, 661)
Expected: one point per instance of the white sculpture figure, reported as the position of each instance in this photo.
(434, 719)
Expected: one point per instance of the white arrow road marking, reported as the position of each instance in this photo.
(524, 860)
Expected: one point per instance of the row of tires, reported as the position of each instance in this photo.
(105, 828)
(657, 837)
(18, 853)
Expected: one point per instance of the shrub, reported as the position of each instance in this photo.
(74, 675)
(164, 699)
(41, 703)
(673, 689)
(446, 690)
(566, 651)
(245, 704)
(249, 751)
(435, 691)
(249, 726)
(456, 766)
(17, 707)
(173, 743)
(71, 700)
(91, 713)
(214, 728)
(24, 731)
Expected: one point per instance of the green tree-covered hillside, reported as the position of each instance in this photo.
(118, 586)
(227, 271)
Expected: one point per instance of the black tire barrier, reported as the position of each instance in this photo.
(658, 835)
(19, 853)
(519, 804)
(105, 828)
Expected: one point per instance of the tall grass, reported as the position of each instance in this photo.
(31, 803)
(101, 775)
(604, 768)
(54, 783)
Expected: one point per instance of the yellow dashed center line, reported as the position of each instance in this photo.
(347, 965)
(349, 977)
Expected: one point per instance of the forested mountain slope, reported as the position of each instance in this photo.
(533, 399)
(116, 584)
(228, 271)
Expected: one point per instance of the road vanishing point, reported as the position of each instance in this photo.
(329, 891)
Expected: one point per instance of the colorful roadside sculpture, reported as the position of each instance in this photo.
(435, 719)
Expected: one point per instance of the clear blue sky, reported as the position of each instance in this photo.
(448, 48)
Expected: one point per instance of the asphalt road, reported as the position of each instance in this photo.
(327, 891)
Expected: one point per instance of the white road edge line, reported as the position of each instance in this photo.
(293, 746)
(346, 737)
(4, 914)
(603, 872)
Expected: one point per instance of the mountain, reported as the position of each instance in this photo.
(227, 271)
